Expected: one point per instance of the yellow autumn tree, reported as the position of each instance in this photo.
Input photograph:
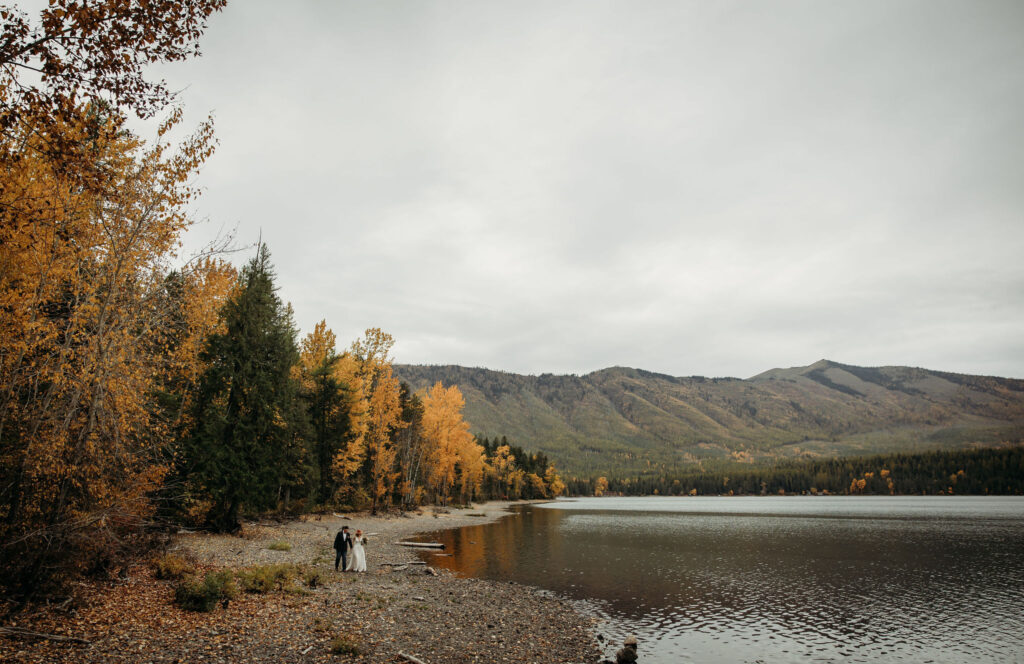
(350, 456)
(556, 487)
(536, 485)
(452, 449)
(192, 299)
(379, 417)
(471, 467)
(332, 391)
(86, 337)
(91, 333)
(501, 469)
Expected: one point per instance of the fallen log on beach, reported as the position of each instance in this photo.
(422, 545)
(411, 659)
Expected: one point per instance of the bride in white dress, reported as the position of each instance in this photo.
(357, 563)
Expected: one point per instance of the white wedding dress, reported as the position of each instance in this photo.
(357, 563)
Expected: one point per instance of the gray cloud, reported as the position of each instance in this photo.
(693, 188)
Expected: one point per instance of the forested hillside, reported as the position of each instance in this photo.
(623, 420)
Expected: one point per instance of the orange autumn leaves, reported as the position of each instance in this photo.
(401, 447)
(859, 485)
(92, 326)
(450, 445)
(447, 453)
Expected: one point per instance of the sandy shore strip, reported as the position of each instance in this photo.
(369, 617)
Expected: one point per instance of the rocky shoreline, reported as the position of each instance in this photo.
(392, 610)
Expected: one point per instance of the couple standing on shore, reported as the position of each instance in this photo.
(343, 542)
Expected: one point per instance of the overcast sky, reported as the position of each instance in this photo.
(713, 188)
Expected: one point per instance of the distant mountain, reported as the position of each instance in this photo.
(627, 420)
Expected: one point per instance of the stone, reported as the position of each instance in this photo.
(627, 655)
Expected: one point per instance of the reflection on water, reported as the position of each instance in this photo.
(774, 580)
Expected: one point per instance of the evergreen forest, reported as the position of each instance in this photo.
(960, 472)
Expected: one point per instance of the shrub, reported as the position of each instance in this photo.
(313, 578)
(280, 545)
(343, 645)
(171, 566)
(195, 595)
(268, 578)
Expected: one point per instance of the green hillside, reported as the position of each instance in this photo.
(628, 420)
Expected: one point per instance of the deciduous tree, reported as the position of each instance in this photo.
(382, 412)
(450, 442)
(82, 315)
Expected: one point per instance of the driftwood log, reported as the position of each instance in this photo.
(411, 659)
(422, 545)
(411, 562)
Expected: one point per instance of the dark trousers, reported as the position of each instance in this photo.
(340, 557)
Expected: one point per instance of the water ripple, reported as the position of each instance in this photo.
(707, 587)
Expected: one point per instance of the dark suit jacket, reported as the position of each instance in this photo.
(342, 540)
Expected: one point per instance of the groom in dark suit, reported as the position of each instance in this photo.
(342, 543)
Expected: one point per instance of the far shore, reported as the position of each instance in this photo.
(393, 608)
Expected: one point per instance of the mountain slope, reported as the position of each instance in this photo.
(628, 420)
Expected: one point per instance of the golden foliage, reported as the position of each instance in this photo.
(317, 347)
(376, 414)
(450, 443)
(556, 487)
(87, 334)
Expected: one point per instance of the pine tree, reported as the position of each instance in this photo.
(246, 448)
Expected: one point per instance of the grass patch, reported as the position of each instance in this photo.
(313, 577)
(195, 595)
(280, 577)
(171, 566)
(344, 645)
(268, 578)
(280, 545)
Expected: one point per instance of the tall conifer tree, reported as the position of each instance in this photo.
(246, 448)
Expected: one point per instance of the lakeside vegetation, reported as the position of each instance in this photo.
(962, 472)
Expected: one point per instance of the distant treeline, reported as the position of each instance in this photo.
(514, 474)
(986, 471)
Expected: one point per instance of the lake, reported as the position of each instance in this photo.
(772, 579)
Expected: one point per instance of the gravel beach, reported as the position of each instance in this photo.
(367, 617)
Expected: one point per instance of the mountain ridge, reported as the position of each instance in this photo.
(623, 419)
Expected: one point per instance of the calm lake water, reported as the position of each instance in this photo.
(784, 579)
